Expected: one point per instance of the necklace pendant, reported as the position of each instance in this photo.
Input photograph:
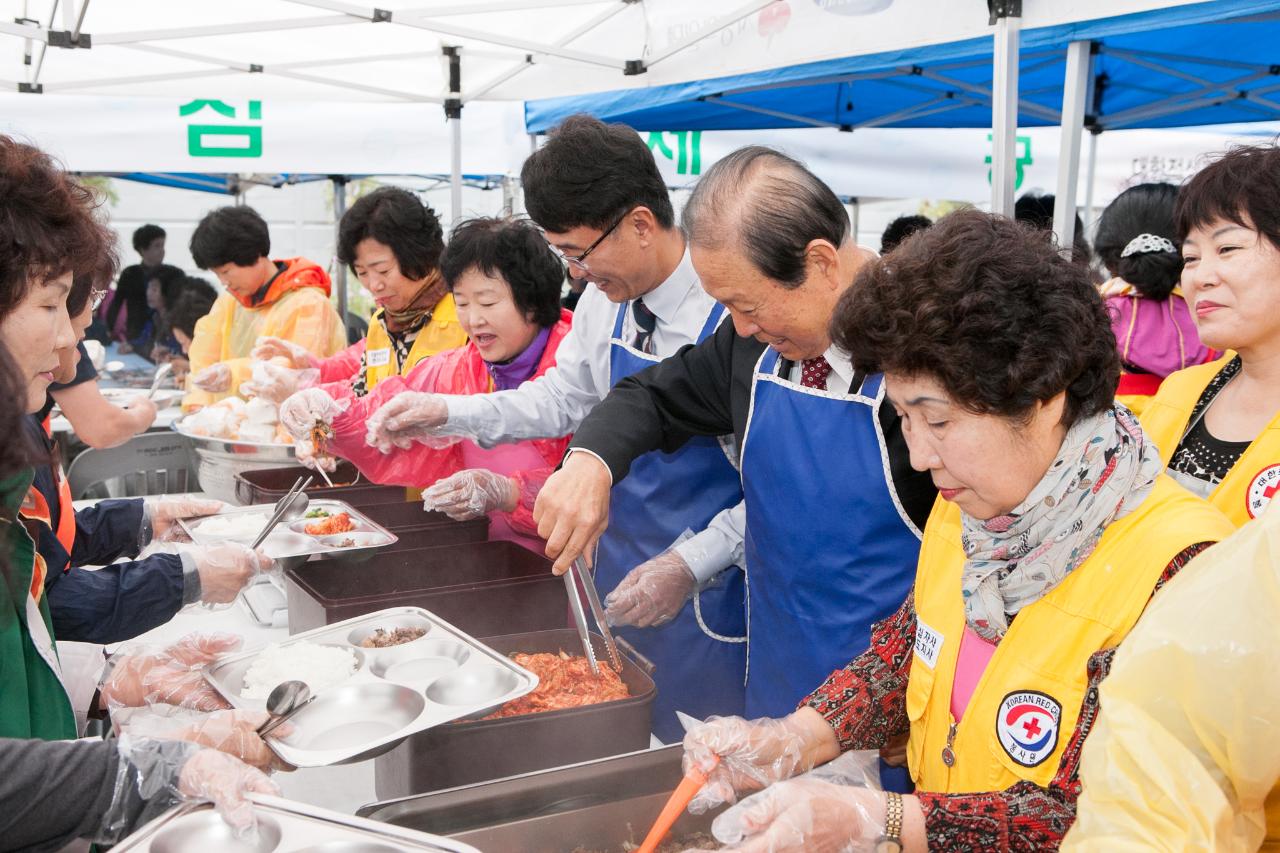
(948, 756)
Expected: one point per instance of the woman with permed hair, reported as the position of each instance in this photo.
(392, 242)
(997, 355)
(505, 282)
(1154, 329)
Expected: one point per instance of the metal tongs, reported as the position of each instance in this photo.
(283, 507)
(579, 569)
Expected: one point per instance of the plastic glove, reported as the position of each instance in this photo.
(275, 383)
(165, 512)
(267, 348)
(409, 417)
(235, 733)
(802, 816)
(198, 649)
(141, 680)
(652, 593)
(300, 412)
(216, 776)
(305, 452)
(225, 569)
(215, 379)
(753, 754)
(471, 494)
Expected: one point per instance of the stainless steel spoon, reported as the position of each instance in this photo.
(287, 699)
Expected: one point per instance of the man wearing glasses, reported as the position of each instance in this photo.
(596, 192)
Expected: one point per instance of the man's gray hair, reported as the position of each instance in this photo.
(770, 206)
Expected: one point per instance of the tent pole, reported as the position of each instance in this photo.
(1006, 16)
(1074, 91)
(1090, 176)
(340, 271)
(854, 215)
(453, 113)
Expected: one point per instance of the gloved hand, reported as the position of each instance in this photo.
(165, 512)
(300, 412)
(197, 649)
(305, 452)
(225, 568)
(802, 815)
(141, 680)
(409, 417)
(235, 733)
(754, 754)
(215, 379)
(471, 494)
(267, 348)
(216, 776)
(275, 383)
(652, 593)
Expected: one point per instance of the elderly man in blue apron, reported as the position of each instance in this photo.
(833, 507)
(597, 194)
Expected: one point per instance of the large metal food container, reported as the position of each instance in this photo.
(393, 692)
(485, 588)
(284, 826)
(597, 806)
(268, 485)
(474, 750)
(220, 459)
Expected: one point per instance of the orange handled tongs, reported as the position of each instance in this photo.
(679, 800)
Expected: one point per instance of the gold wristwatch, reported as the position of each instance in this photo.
(891, 841)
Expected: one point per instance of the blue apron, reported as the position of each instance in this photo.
(700, 655)
(829, 548)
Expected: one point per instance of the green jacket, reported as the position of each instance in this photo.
(33, 703)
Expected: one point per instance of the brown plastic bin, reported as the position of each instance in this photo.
(268, 485)
(465, 752)
(484, 588)
(411, 516)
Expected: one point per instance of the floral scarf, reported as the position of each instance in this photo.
(1105, 468)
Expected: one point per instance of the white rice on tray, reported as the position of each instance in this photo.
(245, 525)
(321, 667)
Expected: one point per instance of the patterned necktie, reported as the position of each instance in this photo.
(645, 321)
(814, 373)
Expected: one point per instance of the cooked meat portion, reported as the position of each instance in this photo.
(696, 841)
(340, 523)
(381, 638)
(564, 681)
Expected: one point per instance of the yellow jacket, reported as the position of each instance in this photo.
(295, 308)
(1186, 752)
(442, 332)
(1027, 703)
(1255, 477)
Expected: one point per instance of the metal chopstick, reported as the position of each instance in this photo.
(580, 619)
(597, 610)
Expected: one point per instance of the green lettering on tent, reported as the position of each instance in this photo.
(687, 153)
(220, 107)
(1022, 145)
(197, 147)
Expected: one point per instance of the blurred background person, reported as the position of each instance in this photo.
(900, 229)
(126, 311)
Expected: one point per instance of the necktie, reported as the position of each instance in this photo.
(645, 321)
(814, 373)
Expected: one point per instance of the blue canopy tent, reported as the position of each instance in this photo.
(1196, 64)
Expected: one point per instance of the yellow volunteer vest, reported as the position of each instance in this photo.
(441, 333)
(1253, 480)
(1025, 707)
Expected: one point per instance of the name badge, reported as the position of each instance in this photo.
(377, 357)
(928, 644)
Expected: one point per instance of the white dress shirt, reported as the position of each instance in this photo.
(556, 402)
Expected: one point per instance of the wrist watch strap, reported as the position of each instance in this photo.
(891, 841)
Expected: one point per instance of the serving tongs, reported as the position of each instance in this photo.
(286, 505)
(579, 570)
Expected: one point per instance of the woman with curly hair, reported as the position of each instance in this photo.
(1054, 528)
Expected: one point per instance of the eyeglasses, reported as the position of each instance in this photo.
(96, 298)
(580, 261)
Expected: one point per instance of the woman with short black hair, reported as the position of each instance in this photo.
(506, 284)
(392, 242)
(997, 355)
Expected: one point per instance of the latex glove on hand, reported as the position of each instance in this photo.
(754, 754)
(409, 417)
(225, 568)
(305, 452)
(165, 512)
(652, 593)
(276, 384)
(215, 379)
(141, 680)
(572, 509)
(235, 733)
(299, 357)
(197, 649)
(300, 413)
(803, 816)
(223, 780)
(472, 493)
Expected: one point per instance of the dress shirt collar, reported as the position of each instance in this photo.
(665, 299)
(841, 369)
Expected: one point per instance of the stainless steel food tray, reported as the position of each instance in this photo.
(241, 451)
(442, 676)
(290, 539)
(284, 826)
